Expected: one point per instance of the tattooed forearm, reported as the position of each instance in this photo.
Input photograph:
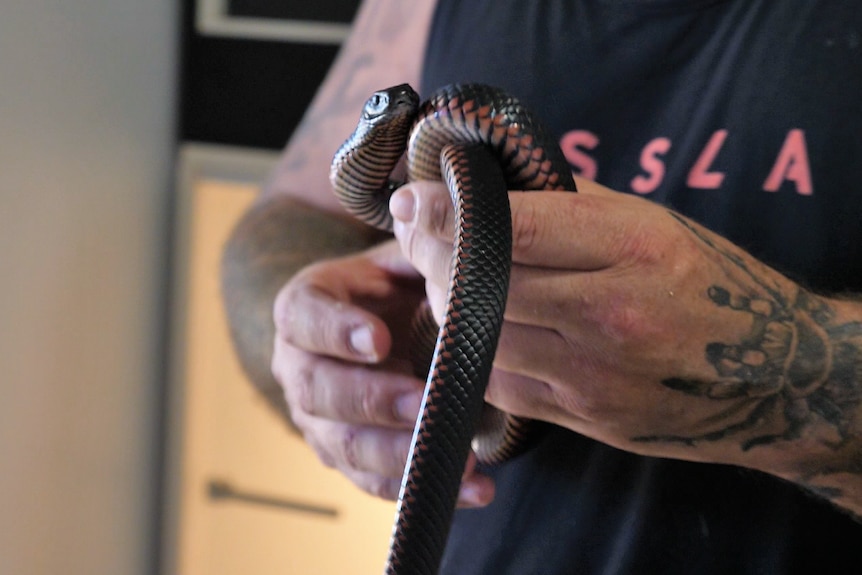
(385, 48)
(271, 243)
(788, 362)
(799, 366)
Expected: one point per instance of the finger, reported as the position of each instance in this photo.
(358, 448)
(424, 222)
(426, 204)
(375, 484)
(437, 299)
(310, 316)
(521, 395)
(601, 309)
(331, 389)
(587, 186)
(532, 351)
(586, 231)
(477, 489)
(367, 449)
(539, 360)
(541, 297)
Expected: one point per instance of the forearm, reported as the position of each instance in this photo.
(792, 377)
(275, 239)
(297, 221)
(796, 366)
(821, 403)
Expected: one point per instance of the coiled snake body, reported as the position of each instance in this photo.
(481, 142)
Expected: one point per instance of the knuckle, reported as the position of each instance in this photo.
(382, 487)
(525, 227)
(303, 385)
(318, 326)
(407, 240)
(362, 401)
(301, 309)
(644, 243)
(439, 219)
(326, 459)
(624, 323)
(323, 336)
(414, 246)
(294, 370)
(495, 394)
(584, 405)
(350, 448)
(283, 311)
(645, 248)
(440, 267)
(317, 441)
(368, 404)
(618, 316)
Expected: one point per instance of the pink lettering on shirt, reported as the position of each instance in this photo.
(652, 164)
(573, 145)
(700, 176)
(792, 165)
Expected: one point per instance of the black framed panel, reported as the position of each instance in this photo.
(251, 67)
(320, 10)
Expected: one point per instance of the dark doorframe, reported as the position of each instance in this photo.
(250, 67)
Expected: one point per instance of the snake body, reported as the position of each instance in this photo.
(481, 142)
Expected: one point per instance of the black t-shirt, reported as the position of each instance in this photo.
(745, 115)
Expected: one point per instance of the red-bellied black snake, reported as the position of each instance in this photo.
(481, 142)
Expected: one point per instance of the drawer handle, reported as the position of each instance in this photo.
(221, 489)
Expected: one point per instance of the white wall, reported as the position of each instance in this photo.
(86, 126)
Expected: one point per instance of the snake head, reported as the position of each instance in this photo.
(391, 103)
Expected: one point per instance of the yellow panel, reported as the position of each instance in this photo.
(230, 434)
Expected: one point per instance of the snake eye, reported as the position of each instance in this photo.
(376, 105)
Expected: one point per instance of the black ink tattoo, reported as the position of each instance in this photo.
(796, 364)
(350, 96)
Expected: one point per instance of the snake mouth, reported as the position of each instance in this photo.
(403, 95)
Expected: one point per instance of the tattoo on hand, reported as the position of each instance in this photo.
(797, 364)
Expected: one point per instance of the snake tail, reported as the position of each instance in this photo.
(455, 387)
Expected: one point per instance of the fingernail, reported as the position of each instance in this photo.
(407, 406)
(362, 342)
(402, 205)
(470, 496)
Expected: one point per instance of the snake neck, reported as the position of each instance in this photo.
(361, 178)
(361, 169)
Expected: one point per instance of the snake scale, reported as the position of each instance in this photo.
(481, 142)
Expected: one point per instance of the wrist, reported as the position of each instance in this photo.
(817, 414)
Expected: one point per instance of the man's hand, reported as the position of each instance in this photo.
(340, 354)
(636, 326)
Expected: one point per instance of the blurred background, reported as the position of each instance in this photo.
(132, 135)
